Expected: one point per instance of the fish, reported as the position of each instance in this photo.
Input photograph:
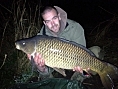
(64, 54)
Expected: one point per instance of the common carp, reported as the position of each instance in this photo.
(61, 53)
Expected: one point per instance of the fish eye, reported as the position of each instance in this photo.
(23, 43)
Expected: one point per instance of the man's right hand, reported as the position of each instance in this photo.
(40, 63)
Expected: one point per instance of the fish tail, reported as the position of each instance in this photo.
(108, 75)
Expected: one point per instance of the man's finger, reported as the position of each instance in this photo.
(78, 69)
(29, 56)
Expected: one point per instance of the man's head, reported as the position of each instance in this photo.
(51, 18)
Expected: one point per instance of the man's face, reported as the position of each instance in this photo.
(52, 20)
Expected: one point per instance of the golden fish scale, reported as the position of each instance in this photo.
(64, 55)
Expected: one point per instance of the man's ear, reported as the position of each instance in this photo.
(59, 16)
(44, 22)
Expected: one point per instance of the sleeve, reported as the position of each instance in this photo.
(78, 35)
(46, 74)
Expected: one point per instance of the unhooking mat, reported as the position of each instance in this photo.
(52, 83)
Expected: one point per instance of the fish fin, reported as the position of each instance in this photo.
(108, 75)
(87, 72)
(61, 71)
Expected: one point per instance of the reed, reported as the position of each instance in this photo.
(21, 20)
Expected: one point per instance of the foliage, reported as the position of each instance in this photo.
(21, 21)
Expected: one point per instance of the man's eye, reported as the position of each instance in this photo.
(55, 17)
(47, 21)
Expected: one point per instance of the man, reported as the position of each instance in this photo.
(56, 24)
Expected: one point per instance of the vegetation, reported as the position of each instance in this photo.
(21, 21)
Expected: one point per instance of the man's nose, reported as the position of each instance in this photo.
(52, 23)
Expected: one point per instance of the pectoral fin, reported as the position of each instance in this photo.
(61, 71)
(87, 72)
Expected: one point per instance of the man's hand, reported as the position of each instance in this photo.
(40, 63)
(79, 69)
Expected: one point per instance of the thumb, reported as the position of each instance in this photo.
(29, 56)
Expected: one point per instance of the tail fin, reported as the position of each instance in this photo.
(108, 75)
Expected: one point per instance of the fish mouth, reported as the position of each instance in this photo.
(17, 46)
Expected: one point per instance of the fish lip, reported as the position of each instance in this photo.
(17, 46)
